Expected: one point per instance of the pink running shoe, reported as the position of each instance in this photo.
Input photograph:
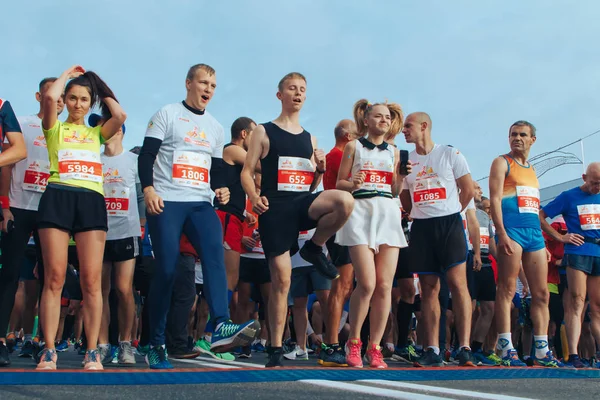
(47, 360)
(92, 361)
(374, 357)
(353, 358)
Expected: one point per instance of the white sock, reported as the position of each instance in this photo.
(390, 346)
(505, 343)
(104, 346)
(263, 342)
(208, 338)
(541, 345)
(435, 349)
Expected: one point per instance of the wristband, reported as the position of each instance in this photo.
(4, 202)
(319, 171)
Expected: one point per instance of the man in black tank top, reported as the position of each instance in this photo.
(232, 214)
(292, 168)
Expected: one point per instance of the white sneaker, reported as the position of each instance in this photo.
(297, 354)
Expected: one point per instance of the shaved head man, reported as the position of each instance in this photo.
(580, 208)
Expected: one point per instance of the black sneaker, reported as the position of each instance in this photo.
(275, 357)
(430, 359)
(314, 255)
(246, 352)
(332, 356)
(36, 354)
(182, 353)
(465, 358)
(4, 360)
(27, 350)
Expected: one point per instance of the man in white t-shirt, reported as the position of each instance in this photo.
(436, 191)
(180, 165)
(23, 183)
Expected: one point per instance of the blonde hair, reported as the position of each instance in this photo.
(362, 109)
(291, 75)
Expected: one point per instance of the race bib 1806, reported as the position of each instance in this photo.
(83, 165)
(191, 169)
(589, 216)
(528, 199)
(295, 174)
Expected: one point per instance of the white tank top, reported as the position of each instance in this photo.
(377, 162)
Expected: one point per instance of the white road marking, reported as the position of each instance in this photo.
(375, 391)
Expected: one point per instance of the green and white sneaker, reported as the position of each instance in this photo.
(203, 346)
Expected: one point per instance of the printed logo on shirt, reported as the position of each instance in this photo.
(39, 141)
(426, 171)
(112, 176)
(184, 119)
(196, 138)
(150, 124)
(76, 137)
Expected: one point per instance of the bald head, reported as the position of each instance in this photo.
(592, 178)
(420, 117)
(345, 130)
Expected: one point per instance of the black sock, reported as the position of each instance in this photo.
(312, 247)
(404, 319)
(476, 346)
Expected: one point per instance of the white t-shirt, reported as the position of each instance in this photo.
(199, 276)
(29, 177)
(432, 182)
(297, 260)
(463, 215)
(120, 176)
(182, 167)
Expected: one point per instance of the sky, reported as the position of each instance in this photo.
(475, 66)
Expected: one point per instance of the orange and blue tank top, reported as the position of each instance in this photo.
(521, 196)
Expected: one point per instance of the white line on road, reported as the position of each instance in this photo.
(442, 390)
(395, 394)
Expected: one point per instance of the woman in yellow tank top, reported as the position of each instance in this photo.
(73, 203)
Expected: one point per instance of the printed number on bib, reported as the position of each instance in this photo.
(36, 176)
(378, 175)
(294, 174)
(117, 202)
(83, 165)
(191, 169)
(484, 238)
(429, 191)
(589, 216)
(528, 199)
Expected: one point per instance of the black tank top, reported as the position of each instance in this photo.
(237, 199)
(282, 144)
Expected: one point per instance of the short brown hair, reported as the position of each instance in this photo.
(291, 75)
(192, 71)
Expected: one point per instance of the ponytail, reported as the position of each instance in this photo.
(362, 109)
(98, 89)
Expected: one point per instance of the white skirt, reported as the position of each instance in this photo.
(374, 222)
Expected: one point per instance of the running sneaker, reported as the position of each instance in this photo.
(142, 350)
(135, 343)
(465, 358)
(374, 357)
(229, 335)
(126, 355)
(332, 356)
(108, 355)
(246, 352)
(91, 361)
(387, 352)
(430, 359)
(319, 260)
(406, 354)
(296, 354)
(203, 347)
(512, 359)
(482, 359)
(493, 357)
(183, 353)
(275, 357)
(62, 346)
(27, 349)
(548, 361)
(48, 360)
(353, 356)
(4, 360)
(575, 362)
(258, 347)
(36, 355)
(11, 342)
(157, 358)
(77, 345)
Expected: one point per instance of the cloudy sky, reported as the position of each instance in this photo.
(474, 66)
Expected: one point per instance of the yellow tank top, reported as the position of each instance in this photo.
(74, 153)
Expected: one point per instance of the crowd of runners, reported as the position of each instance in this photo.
(195, 244)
